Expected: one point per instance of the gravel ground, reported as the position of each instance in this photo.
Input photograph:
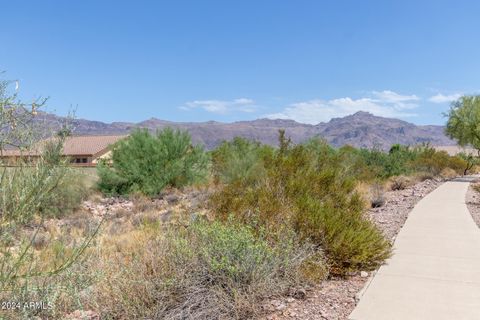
(335, 299)
(473, 204)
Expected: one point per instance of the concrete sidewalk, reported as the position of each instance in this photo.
(435, 270)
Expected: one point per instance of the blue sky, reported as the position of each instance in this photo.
(240, 60)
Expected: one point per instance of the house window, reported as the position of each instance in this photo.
(81, 160)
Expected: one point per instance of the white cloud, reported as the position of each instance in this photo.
(222, 106)
(440, 98)
(390, 96)
(384, 103)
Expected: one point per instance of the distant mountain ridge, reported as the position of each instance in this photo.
(361, 129)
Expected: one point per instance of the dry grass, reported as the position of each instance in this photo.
(208, 271)
(399, 183)
(422, 176)
(448, 173)
(377, 198)
(476, 187)
(142, 203)
(154, 271)
(364, 189)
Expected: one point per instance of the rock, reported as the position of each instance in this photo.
(40, 239)
(280, 307)
(166, 216)
(274, 303)
(290, 299)
(300, 294)
(172, 198)
(364, 274)
(194, 204)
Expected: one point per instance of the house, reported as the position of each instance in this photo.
(454, 150)
(83, 151)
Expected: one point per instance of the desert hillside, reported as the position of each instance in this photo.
(361, 129)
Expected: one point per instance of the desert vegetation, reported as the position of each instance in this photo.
(148, 163)
(267, 221)
(33, 189)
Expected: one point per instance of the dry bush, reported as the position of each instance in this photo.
(146, 218)
(206, 271)
(422, 176)
(364, 190)
(80, 220)
(377, 198)
(121, 213)
(41, 240)
(60, 289)
(448, 173)
(400, 183)
(142, 203)
(96, 196)
(476, 187)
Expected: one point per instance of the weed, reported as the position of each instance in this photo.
(377, 198)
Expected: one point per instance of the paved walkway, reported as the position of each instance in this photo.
(435, 270)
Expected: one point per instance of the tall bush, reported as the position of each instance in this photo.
(307, 188)
(148, 163)
(239, 159)
(26, 186)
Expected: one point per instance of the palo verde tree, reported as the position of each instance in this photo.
(28, 184)
(463, 124)
(147, 163)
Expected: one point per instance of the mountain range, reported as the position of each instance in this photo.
(361, 129)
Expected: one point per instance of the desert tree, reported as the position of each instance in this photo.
(26, 185)
(463, 125)
(147, 163)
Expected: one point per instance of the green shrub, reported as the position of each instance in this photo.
(206, 271)
(394, 163)
(433, 162)
(374, 164)
(32, 185)
(30, 191)
(148, 163)
(308, 188)
(350, 241)
(356, 164)
(239, 159)
(66, 198)
(237, 252)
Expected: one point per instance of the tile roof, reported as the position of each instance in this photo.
(76, 145)
(88, 145)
